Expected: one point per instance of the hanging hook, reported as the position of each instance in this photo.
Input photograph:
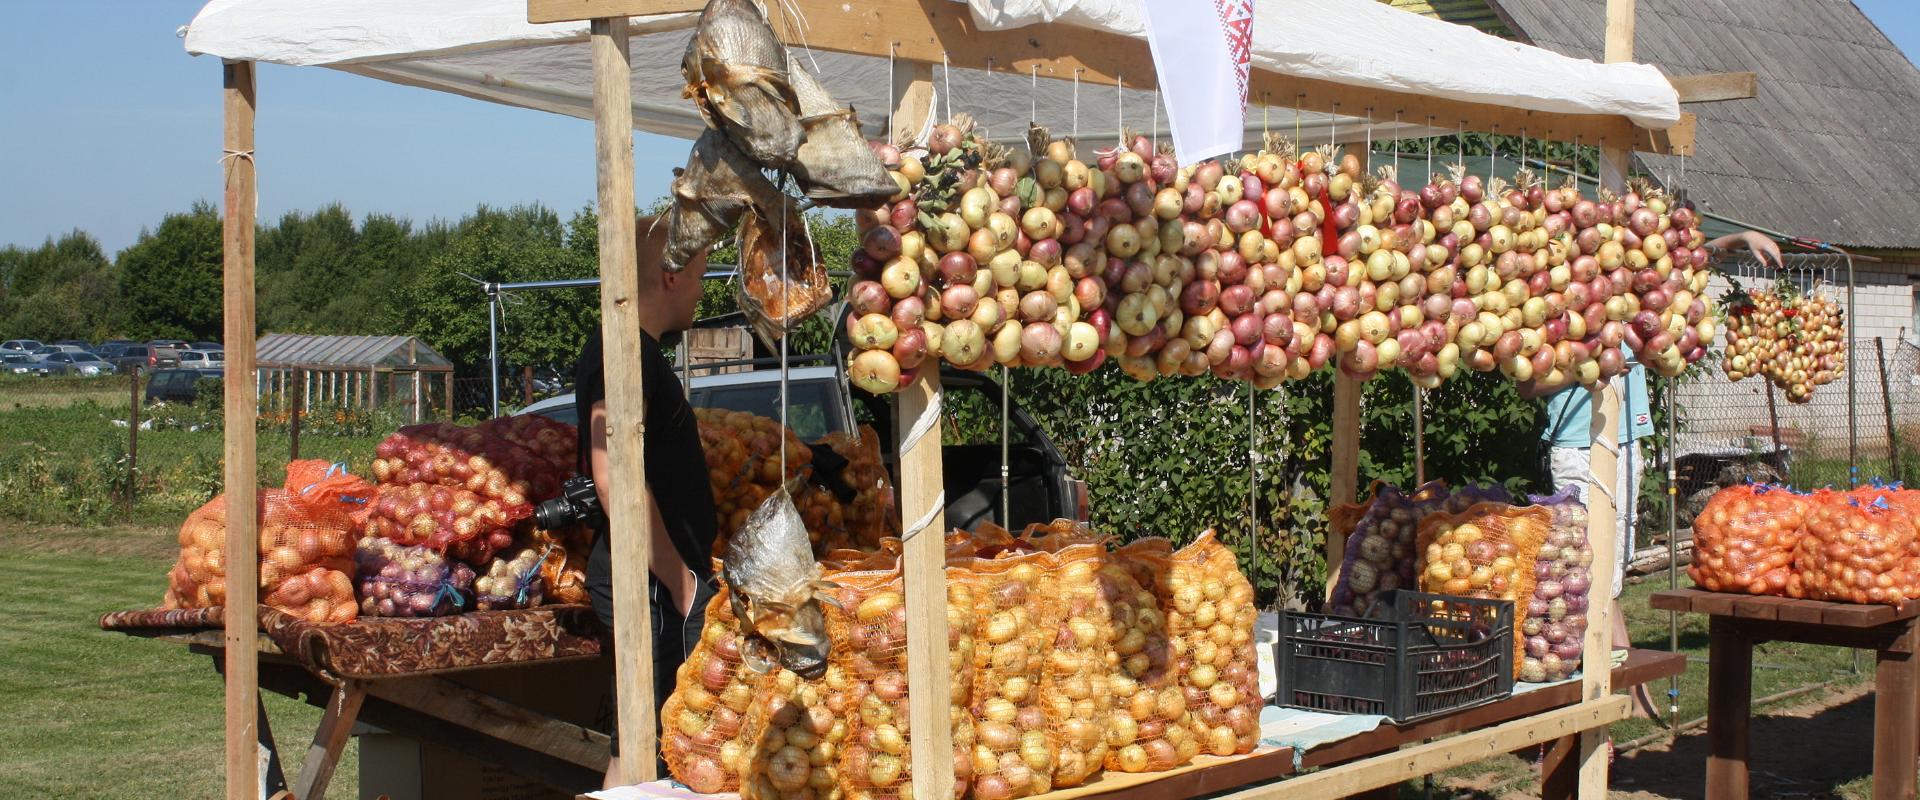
(1033, 97)
(1076, 100)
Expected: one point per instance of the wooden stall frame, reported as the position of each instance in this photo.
(919, 32)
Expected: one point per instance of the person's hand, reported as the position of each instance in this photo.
(1761, 245)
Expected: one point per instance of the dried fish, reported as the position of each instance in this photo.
(776, 590)
(782, 281)
(835, 166)
(709, 196)
(737, 73)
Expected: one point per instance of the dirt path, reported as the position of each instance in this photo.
(1808, 751)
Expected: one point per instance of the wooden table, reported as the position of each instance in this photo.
(1738, 622)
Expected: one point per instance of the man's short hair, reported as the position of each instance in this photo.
(650, 243)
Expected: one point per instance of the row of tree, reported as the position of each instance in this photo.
(323, 272)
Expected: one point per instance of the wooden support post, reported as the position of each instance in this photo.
(1895, 691)
(1886, 407)
(1343, 482)
(133, 438)
(628, 512)
(239, 475)
(299, 407)
(1729, 706)
(449, 388)
(329, 740)
(917, 435)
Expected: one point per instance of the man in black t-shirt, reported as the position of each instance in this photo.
(682, 528)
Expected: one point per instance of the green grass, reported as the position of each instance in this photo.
(97, 714)
(18, 392)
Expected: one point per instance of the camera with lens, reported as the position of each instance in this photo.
(578, 502)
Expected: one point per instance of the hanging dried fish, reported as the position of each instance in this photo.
(709, 196)
(782, 281)
(776, 590)
(835, 166)
(737, 73)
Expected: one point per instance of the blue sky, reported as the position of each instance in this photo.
(108, 125)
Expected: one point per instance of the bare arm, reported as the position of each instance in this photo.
(666, 565)
(1761, 246)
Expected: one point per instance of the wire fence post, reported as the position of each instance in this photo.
(133, 437)
(1886, 405)
(298, 410)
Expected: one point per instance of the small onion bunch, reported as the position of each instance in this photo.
(409, 581)
(1554, 621)
(1210, 617)
(1744, 540)
(703, 723)
(512, 581)
(797, 730)
(1856, 549)
(1796, 341)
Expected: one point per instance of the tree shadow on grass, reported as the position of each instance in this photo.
(1788, 756)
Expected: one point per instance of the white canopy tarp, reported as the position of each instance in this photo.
(486, 49)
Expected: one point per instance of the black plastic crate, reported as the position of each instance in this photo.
(1436, 654)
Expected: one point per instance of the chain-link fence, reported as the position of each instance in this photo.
(1863, 425)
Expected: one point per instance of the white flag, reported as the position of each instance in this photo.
(1200, 50)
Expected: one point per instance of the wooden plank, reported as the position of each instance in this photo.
(1760, 608)
(1713, 87)
(629, 512)
(343, 708)
(917, 426)
(1596, 677)
(1729, 705)
(1852, 615)
(542, 11)
(1560, 769)
(1255, 767)
(1619, 34)
(1807, 611)
(1717, 603)
(933, 31)
(486, 714)
(1675, 599)
(238, 473)
(1895, 692)
(1433, 757)
(1675, 141)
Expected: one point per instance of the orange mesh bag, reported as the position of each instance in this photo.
(1211, 619)
(876, 762)
(564, 572)
(703, 724)
(1855, 549)
(1342, 519)
(743, 465)
(467, 525)
(1016, 623)
(306, 546)
(467, 458)
(1487, 552)
(797, 727)
(823, 515)
(1744, 539)
(1147, 704)
(873, 514)
(555, 442)
(1074, 685)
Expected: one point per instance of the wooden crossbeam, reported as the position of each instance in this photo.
(1388, 769)
(543, 11)
(483, 713)
(1714, 86)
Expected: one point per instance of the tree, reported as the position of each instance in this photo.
(170, 277)
(62, 289)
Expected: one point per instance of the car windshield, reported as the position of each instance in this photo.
(217, 355)
(809, 409)
(84, 357)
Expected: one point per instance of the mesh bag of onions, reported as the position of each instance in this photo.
(1210, 617)
(703, 723)
(1147, 727)
(306, 546)
(1855, 549)
(1380, 552)
(1487, 551)
(555, 442)
(1074, 686)
(1744, 540)
(1015, 627)
(469, 458)
(796, 728)
(743, 464)
(512, 581)
(876, 763)
(470, 526)
(872, 515)
(401, 581)
(1554, 624)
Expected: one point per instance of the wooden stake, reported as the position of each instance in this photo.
(133, 439)
(1343, 482)
(1886, 405)
(293, 419)
(243, 544)
(630, 510)
(924, 561)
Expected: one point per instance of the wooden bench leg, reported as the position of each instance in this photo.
(1729, 709)
(273, 780)
(331, 738)
(1894, 734)
(1560, 769)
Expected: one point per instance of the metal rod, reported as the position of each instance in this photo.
(1673, 543)
(1419, 436)
(1853, 410)
(493, 344)
(1253, 483)
(293, 416)
(1773, 426)
(133, 436)
(1886, 404)
(1006, 490)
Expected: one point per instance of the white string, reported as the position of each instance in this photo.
(913, 529)
(893, 133)
(929, 417)
(946, 71)
(1076, 101)
(1033, 97)
(1156, 118)
(1119, 111)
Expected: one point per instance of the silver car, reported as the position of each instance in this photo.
(203, 359)
(83, 364)
(14, 362)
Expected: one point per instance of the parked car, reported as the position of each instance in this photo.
(20, 345)
(15, 363)
(69, 363)
(176, 385)
(111, 350)
(203, 359)
(146, 357)
(80, 343)
(209, 346)
(40, 353)
(819, 403)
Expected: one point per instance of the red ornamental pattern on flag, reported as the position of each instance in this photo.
(1236, 26)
